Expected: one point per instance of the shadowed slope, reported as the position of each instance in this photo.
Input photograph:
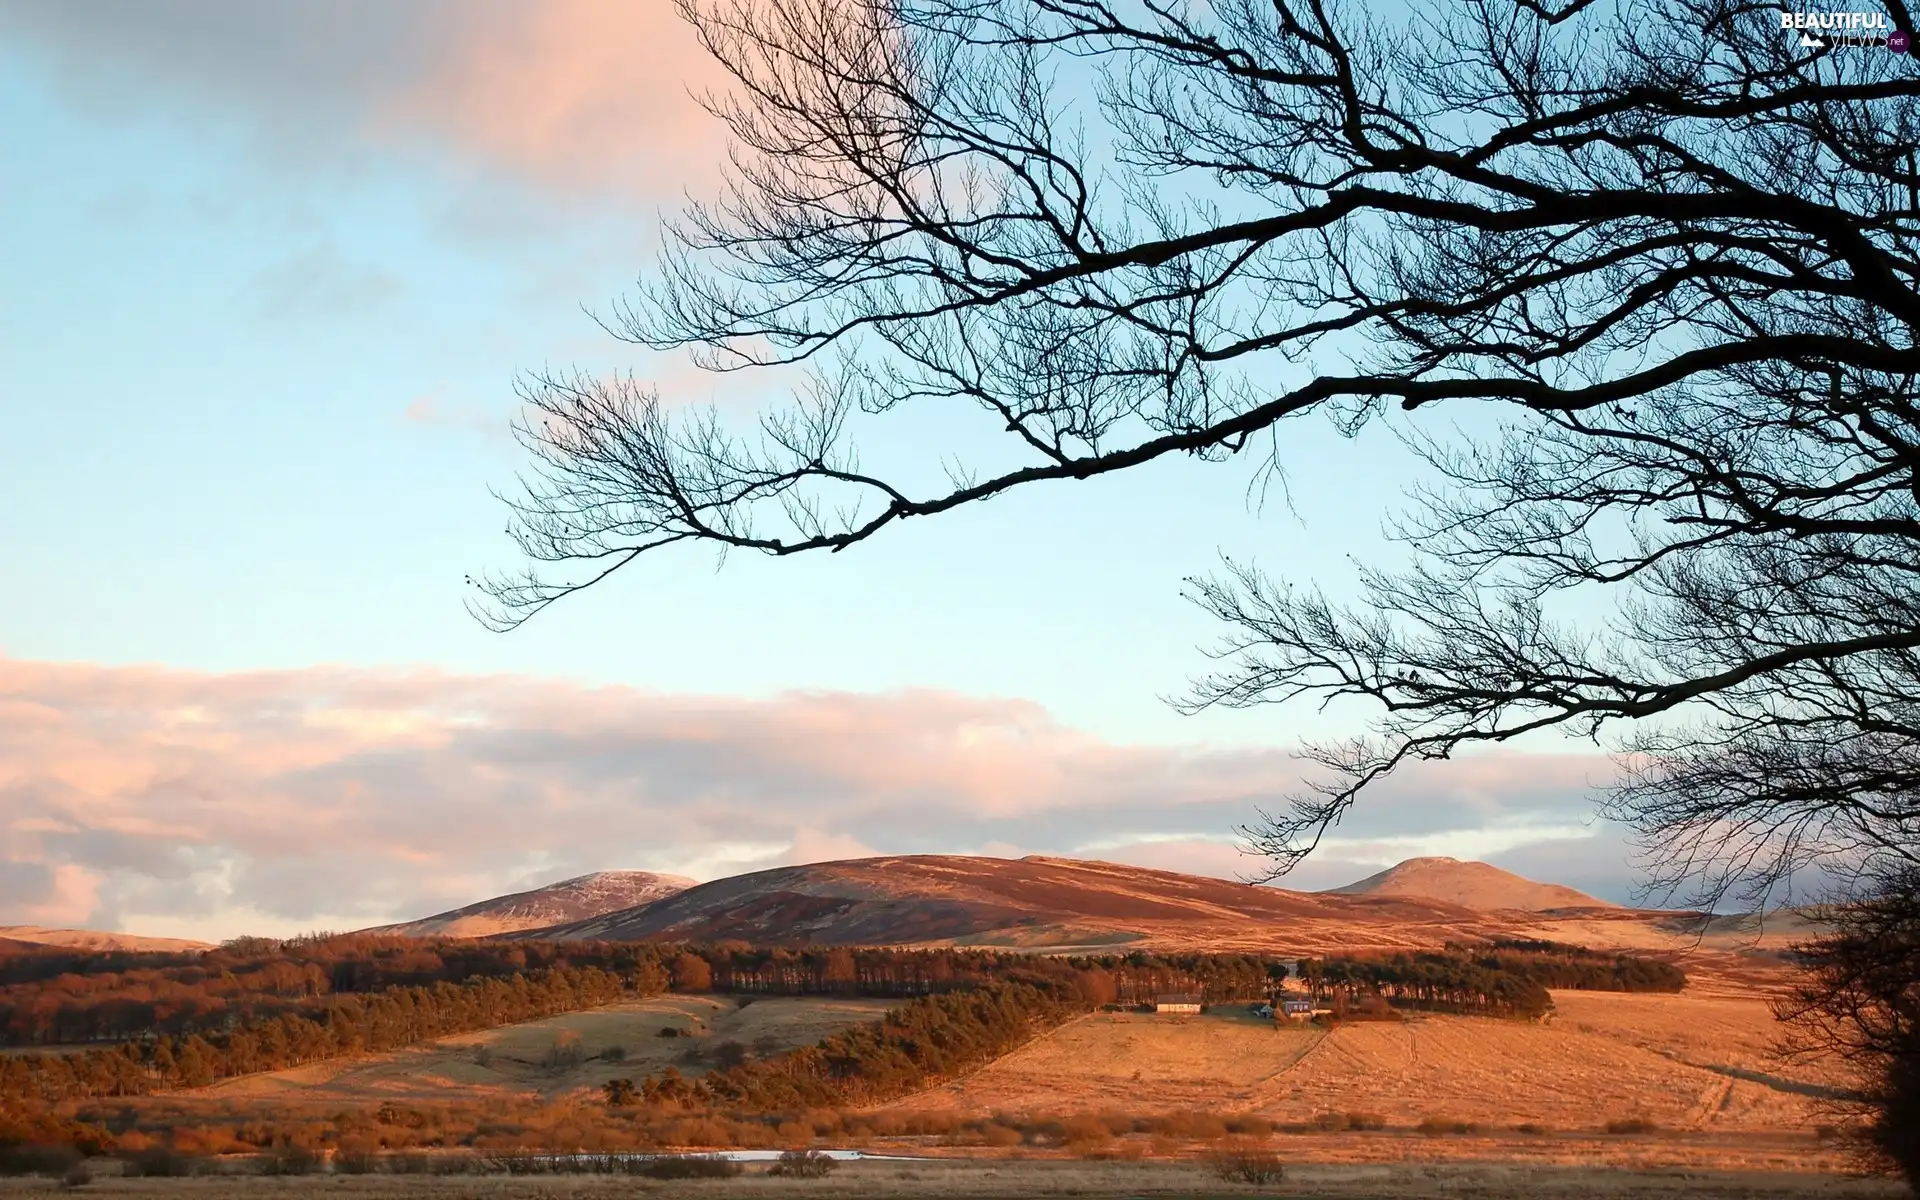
(576, 899)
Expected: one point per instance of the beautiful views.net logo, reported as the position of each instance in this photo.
(1820, 29)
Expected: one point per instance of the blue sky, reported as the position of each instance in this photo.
(267, 274)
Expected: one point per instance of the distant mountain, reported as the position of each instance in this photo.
(569, 900)
(1475, 885)
(95, 939)
(1036, 903)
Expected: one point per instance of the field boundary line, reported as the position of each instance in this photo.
(1259, 1091)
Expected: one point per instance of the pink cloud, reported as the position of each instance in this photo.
(579, 94)
(588, 92)
(331, 796)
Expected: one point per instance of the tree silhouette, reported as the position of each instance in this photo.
(1661, 257)
(1673, 249)
(1860, 1001)
(620, 1093)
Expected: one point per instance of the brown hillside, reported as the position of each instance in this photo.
(94, 939)
(1036, 902)
(1064, 905)
(576, 899)
(1474, 885)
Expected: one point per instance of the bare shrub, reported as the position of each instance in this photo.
(690, 1166)
(53, 1159)
(1043, 1131)
(1247, 1164)
(1199, 1126)
(930, 1124)
(1443, 1125)
(802, 1164)
(289, 1158)
(1085, 1133)
(355, 1158)
(1632, 1125)
(614, 1054)
(620, 1093)
(566, 1053)
(161, 1162)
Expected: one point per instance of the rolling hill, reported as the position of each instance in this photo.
(1475, 885)
(578, 899)
(1035, 903)
(98, 940)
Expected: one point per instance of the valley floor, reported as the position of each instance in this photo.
(1663, 1089)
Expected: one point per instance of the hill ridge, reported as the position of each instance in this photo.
(1036, 902)
(1472, 884)
(581, 897)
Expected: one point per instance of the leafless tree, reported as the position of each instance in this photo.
(1860, 1003)
(1665, 250)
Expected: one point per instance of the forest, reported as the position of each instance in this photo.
(66, 999)
(264, 1006)
(1506, 978)
(1575, 968)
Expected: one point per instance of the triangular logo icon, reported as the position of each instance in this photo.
(1807, 39)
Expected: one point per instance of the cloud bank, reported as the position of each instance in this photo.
(205, 805)
(577, 94)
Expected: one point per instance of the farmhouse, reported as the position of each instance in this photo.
(1297, 1010)
(1179, 1002)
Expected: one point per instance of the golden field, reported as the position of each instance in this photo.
(1689, 1065)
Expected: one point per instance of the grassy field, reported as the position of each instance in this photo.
(1685, 1064)
(981, 1180)
(520, 1059)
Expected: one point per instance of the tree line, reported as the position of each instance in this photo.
(117, 997)
(346, 1025)
(915, 1046)
(1576, 968)
(1508, 978)
(1443, 982)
